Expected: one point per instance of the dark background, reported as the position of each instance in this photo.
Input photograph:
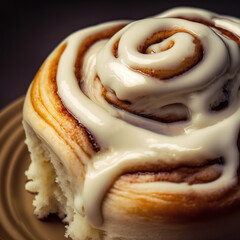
(31, 30)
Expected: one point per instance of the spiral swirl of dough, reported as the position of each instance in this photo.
(176, 46)
(152, 97)
(148, 61)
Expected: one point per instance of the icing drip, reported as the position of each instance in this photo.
(126, 70)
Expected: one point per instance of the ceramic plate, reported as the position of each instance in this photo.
(16, 211)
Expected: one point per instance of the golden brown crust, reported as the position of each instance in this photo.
(51, 109)
(169, 207)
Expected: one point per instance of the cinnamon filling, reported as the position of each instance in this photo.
(167, 114)
(183, 174)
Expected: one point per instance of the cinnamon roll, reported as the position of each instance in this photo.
(133, 129)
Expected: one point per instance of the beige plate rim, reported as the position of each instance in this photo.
(17, 220)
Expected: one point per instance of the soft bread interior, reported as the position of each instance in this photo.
(48, 180)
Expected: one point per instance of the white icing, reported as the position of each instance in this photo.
(227, 24)
(127, 140)
(129, 84)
